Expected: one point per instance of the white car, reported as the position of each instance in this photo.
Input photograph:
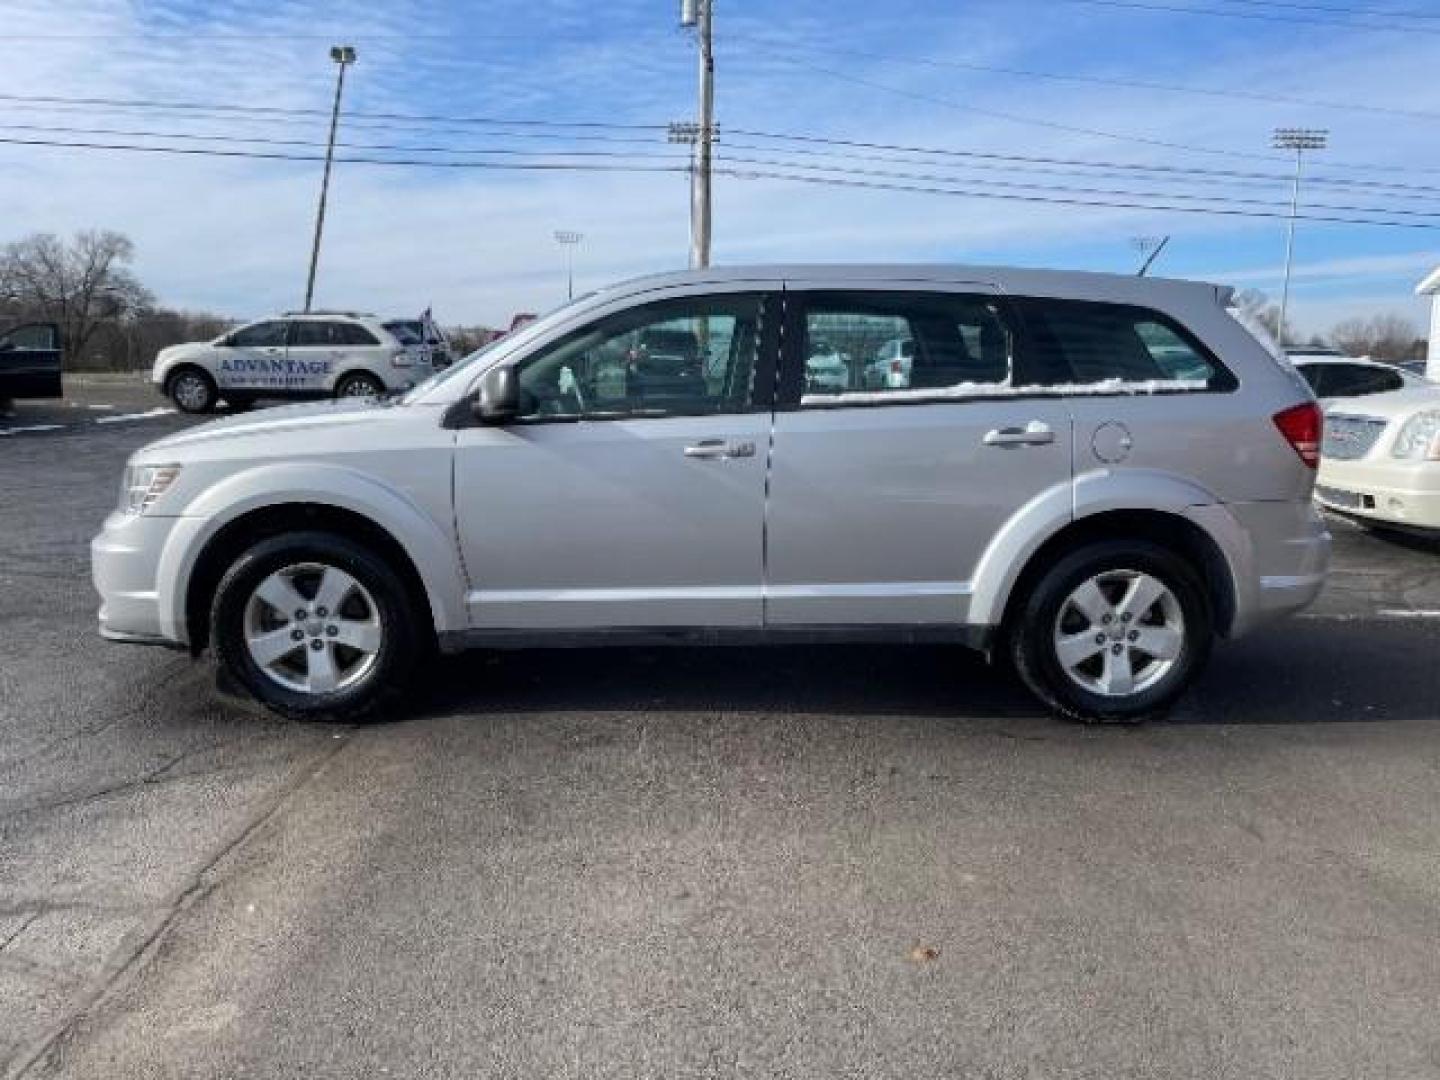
(1380, 459)
(826, 368)
(299, 355)
(1333, 376)
(890, 369)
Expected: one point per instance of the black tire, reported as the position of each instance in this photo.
(192, 389)
(401, 635)
(1036, 622)
(359, 384)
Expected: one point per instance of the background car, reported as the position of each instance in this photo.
(426, 332)
(826, 368)
(299, 355)
(29, 363)
(1333, 377)
(890, 368)
(1380, 459)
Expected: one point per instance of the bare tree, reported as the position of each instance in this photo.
(78, 285)
(1386, 337)
(1255, 308)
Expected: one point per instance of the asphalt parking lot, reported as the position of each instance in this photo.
(799, 862)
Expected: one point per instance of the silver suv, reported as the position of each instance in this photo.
(1092, 476)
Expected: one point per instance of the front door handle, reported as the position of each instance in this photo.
(1034, 433)
(720, 449)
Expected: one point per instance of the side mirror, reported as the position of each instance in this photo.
(499, 399)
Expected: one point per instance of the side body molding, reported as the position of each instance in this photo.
(1094, 493)
(430, 547)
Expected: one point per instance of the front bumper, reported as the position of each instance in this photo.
(1386, 490)
(125, 565)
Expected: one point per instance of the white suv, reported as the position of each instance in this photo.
(1092, 475)
(299, 355)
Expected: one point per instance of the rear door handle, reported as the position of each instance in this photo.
(720, 449)
(1034, 433)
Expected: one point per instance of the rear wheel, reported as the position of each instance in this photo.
(1113, 633)
(359, 385)
(314, 625)
(192, 390)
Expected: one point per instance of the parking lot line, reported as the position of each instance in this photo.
(29, 428)
(158, 411)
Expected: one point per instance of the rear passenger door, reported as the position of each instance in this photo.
(885, 494)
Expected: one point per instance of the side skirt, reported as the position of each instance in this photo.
(979, 638)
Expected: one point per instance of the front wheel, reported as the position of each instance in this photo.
(193, 391)
(315, 625)
(1112, 633)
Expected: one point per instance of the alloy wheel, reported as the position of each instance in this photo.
(1119, 633)
(313, 628)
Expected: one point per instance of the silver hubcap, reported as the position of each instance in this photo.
(362, 388)
(191, 392)
(1119, 633)
(313, 628)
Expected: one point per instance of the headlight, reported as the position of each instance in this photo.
(1419, 438)
(143, 484)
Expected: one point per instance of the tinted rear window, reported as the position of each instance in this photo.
(1086, 343)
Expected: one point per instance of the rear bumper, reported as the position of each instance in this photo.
(1278, 553)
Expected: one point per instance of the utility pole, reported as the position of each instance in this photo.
(700, 14)
(568, 240)
(344, 55)
(1299, 140)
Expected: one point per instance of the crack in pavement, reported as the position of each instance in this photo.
(134, 953)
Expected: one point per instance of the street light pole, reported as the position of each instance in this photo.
(344, 55)
(568, 239)
(1299, 140)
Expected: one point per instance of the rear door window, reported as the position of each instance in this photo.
(902, 346)
(1100, 346)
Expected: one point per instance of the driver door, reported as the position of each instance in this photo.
(631, 492)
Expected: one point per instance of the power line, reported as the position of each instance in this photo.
(1058, 197)
(1018, 119)
(1180, 9)
(211, 151)
(833, 181)
(1371, 12)
(262, 110)
(1096, 80)
(1106, 192)
(380, 147)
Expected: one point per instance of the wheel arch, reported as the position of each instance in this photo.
(1163, 509)
(354, 505)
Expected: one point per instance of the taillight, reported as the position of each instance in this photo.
(1302, 425)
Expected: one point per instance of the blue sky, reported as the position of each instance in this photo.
(233, 234)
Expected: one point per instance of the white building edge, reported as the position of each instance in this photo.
(1431, 287)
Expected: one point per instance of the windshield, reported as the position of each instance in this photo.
(466, 365)
(406, 331)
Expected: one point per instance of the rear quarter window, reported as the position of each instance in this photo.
(1094, 346)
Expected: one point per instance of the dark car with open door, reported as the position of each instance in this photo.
(29, 362)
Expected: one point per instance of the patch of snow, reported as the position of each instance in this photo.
(962, 391)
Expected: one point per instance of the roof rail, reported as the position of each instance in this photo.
(329, 311)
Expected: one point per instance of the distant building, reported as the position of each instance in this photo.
(1431, 287)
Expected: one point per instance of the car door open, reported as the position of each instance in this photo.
(630, 492)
